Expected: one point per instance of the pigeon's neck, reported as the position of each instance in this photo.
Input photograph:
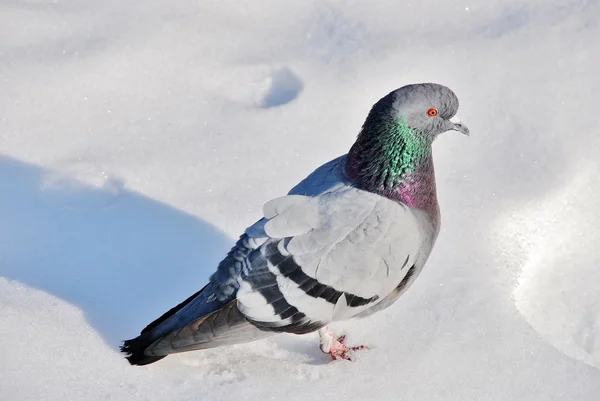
(391, 159)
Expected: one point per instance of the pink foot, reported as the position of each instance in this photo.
(336, 346)
(339, 349)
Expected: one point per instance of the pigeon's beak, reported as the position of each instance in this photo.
(457, 125)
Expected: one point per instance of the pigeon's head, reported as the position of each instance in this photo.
(395, 140)
(427, 109)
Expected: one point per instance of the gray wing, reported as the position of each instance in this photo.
(326, 257)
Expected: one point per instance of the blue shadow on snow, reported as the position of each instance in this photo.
(121, 257)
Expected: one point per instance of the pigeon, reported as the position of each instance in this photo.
(346, 242)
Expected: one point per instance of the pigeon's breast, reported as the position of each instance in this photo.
(419, 192)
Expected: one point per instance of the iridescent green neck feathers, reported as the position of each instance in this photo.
(387, 153)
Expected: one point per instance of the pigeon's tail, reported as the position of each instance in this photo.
(135, 349)
(197, 323)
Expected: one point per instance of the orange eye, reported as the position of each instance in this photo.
(432, 112)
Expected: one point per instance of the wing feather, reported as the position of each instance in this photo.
(327, 257)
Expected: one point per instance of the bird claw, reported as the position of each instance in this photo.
(341, 351)
(336, 347)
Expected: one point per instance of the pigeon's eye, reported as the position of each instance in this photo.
(432, 112)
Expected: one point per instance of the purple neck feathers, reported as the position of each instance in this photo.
(416, 188)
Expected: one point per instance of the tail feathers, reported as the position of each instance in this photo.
(172, 311)
(224, 326)
(135, 349)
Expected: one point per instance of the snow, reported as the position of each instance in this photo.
(138, 139)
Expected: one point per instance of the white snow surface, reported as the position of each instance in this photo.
(139, 138)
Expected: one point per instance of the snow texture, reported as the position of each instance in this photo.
(138, 139)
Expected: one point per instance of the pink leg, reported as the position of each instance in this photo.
(336, 346)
